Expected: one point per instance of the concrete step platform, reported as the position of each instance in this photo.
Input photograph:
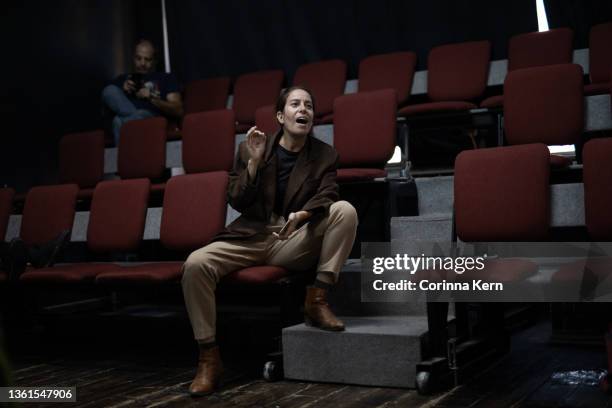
(380, 351)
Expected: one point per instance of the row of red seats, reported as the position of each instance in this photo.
(456, 89)
(365, 119)
(502, 194)
(364, 132)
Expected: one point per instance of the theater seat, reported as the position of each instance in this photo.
(364, 133)
(208, 141)
(6, 207)
(66, 273)
(48, 211)
(326, 80)
(202, 196)
(142, 151)
(116, 225)
(388, 71)
(206, 94)
(454, 89)
(265, 120)
(81, 160)
(597, 173)
(252, 91)
(533, 112)
(529, 50)
(600, 59)
(502, 194)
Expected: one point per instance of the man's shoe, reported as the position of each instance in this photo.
(208, 374)
(317, 312)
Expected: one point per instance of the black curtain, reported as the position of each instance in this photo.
(580, 15)
(232, 37)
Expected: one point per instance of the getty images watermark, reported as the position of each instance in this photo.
(486, 272)
(431, 265)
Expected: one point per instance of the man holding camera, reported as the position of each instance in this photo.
(144, 93)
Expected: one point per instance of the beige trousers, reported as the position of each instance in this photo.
(329, 243)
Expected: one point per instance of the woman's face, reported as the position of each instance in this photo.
(298, 114)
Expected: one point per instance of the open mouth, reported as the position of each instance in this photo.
(302, 120)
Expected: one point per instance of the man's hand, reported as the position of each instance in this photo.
(143, 93)
(256, 146)
(294, 219)
(129, 86)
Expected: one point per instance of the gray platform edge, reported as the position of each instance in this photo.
(380, 351)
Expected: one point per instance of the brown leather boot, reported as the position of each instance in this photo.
(317, 312)
(208, 374)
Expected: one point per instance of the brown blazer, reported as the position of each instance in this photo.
(311, 187)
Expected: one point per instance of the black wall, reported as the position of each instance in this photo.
(236, 36)
(580, 15)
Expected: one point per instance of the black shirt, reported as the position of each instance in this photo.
(285, 163)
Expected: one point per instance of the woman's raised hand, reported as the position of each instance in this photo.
(256, 144)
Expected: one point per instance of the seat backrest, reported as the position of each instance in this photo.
(600, 57)
(142, 148)
(48, 210)
(326, 81)
(117, 215)
(203, 197)
(6, 207)
(502, 194)
(458, 72)
(208, 141)
(538, 49)
(81, 158)
(597, 173)
(206, 94)
(265, 120)
(254, 90)
(394, 70)
(364, 128)
(544, 105)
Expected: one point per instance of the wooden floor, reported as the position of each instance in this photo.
(149, 371)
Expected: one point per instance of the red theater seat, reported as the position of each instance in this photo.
(534, 50)
(600, 59)
(597, 173)
(533, 112)
(202, 196)
(454, 89)
(208, 141)
(116, 224)
(364, 133)
(256, 275)
(265, 120)
(6, 207)
(48, 211)
(206, 95)
(252, 91)
(81, 160)
(142, 150)
(502, 194)
(393, 71)
(326, 80)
